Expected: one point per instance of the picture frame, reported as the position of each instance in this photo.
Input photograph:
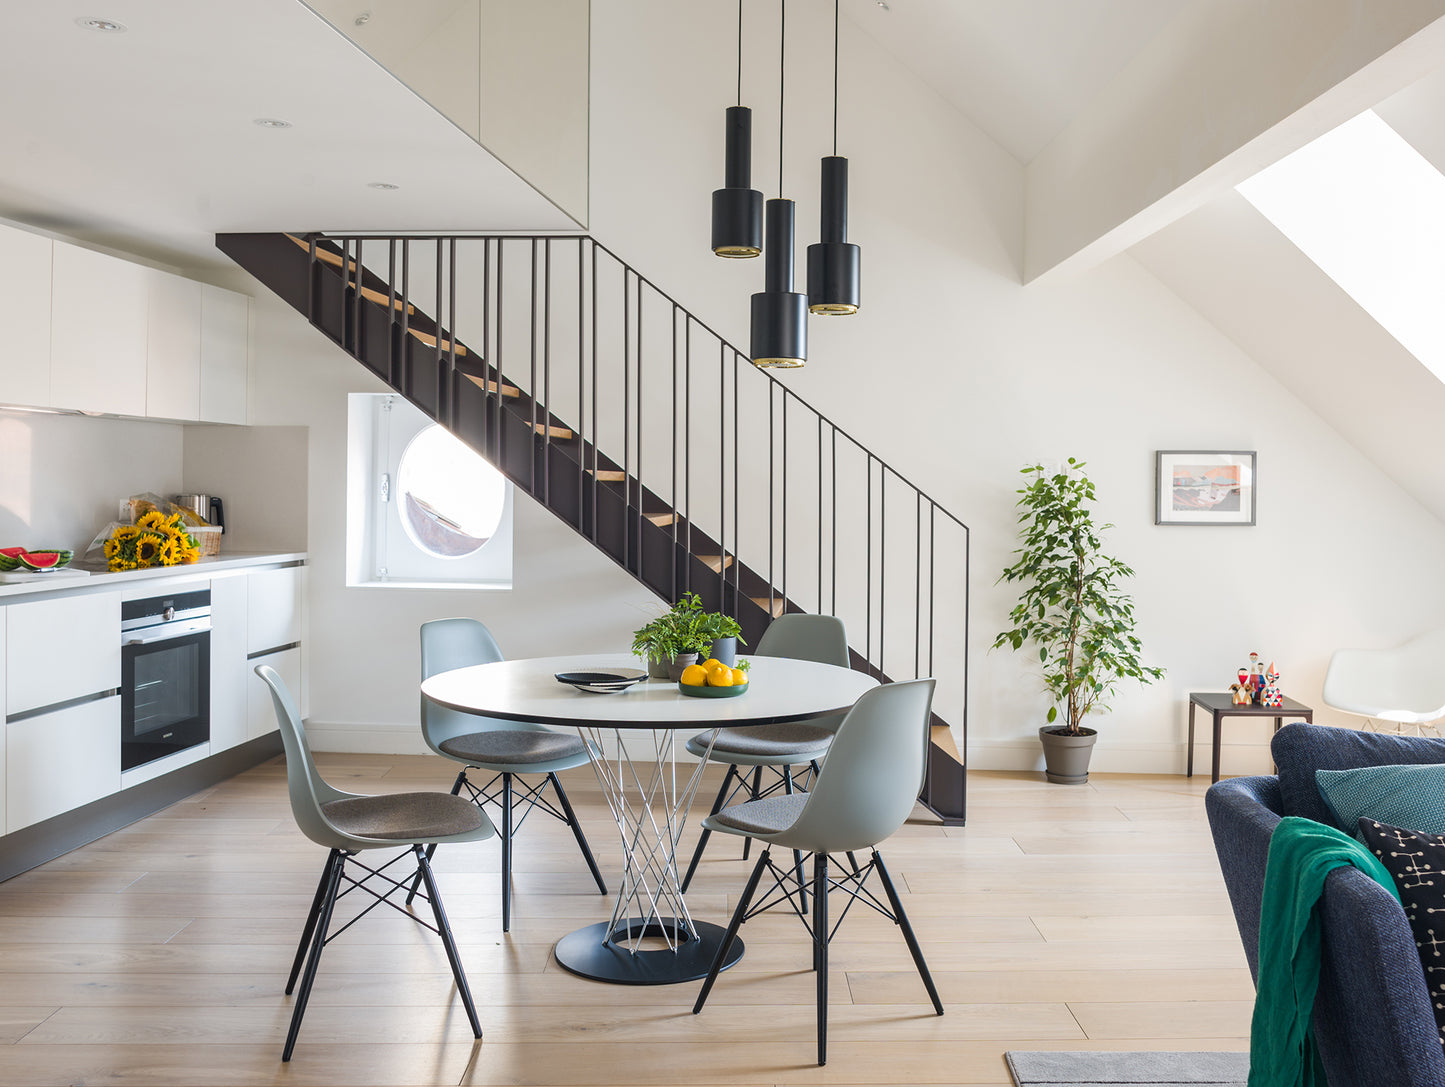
(1204, 487)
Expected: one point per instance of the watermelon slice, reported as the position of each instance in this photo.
(44, 560)
(10, 558)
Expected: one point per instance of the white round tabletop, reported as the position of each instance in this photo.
(779, 689)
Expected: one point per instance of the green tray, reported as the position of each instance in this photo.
(713, 692)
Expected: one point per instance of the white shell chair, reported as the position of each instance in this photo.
(862, 795)
(499, 747)
(1405, 685)
(347, 824)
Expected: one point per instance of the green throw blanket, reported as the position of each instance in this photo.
(1301, 854)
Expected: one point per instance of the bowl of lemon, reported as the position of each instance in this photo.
(713, 679)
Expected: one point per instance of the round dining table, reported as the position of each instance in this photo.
(651, 938)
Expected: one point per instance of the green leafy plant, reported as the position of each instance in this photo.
(716, 625)
(684, 628)
(1073, 608)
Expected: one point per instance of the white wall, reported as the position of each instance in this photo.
(62, 475)
(980, 375)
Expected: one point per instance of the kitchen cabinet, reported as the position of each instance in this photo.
(225, 338)
(98, 316)
(58, 761)
(230, 670)
(173, 347)
(260, 713)
(60, 649)
(273, 609)
(25, 261)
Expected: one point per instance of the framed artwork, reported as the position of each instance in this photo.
(1204, 487)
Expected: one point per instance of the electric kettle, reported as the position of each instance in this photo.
(207, 506)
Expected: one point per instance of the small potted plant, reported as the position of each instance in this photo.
(723, 633)
(674, 639)
(1073, 610)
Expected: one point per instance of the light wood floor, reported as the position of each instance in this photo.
(1060, 918)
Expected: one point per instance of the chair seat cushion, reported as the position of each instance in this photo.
(513, 747)
(771, 815)
(788, 743)
(404, 817)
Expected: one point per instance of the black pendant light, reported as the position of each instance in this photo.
(834, 263)
(779, 314)
(737, 208)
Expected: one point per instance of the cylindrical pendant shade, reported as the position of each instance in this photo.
(834, 265)
(779, 314)
(737, 208)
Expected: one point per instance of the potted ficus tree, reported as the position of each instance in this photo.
(1073, 610)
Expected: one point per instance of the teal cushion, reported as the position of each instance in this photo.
(1402, 796)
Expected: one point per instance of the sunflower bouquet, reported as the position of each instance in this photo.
(156, 539)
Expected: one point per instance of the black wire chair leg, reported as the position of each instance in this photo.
(797, 853)
(335, 864)
(717, 804)
(854, 862)
(909, 938)
(754, 794)
(577, 831)
(732, 931)
(431, 850)
(506, 852)
(820, 942)
(311, 917)
(445, 930)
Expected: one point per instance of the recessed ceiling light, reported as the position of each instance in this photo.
(271, 122)
(105, 26)
(883, 4)
(381, 185)
(363, 18)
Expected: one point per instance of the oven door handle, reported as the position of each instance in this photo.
(167, 632)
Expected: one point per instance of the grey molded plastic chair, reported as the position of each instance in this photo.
(502, 748)
(349, 823)
(863, 794)
(779, 748)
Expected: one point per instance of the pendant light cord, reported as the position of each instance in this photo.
(835, 78)
(740, 58)
(782, 55)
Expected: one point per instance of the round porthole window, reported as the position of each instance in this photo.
(451, 499)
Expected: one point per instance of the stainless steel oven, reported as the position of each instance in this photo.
(165, 660)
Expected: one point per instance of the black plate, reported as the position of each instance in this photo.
(601, 682)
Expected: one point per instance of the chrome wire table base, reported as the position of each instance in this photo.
(651, 938)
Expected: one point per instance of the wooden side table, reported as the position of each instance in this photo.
(1221, 705)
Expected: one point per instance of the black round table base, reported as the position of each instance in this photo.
(589, 954)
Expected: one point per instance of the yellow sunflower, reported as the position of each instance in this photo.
(153, 519)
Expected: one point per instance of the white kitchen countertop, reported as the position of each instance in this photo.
(106, 581)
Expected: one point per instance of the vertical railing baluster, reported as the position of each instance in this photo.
(687, 442)
(917, 579)
(882, 562)
(437, 349)
(784, 586)
(488, 355)
(672, 494)
(391, 311)
(772, 581)
(596, 440)
(640, 387)
(581, 382)
(737, 486)
(451, 384)
(722, 478)
(833, 520)
(403, 385)
(819, 559)
(354, 342)
(626, 421)
(868, 568)
(532, 386)
(501, 446)
(312, 261)
(547, 373)
(932, 597)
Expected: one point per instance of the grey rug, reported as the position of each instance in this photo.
(1086, 1069)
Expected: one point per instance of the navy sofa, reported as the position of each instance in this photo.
(1373, 1023)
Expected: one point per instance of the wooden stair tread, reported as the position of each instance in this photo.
(559, 432)
(491, 386)
(716, 563)
(333, 259)
(381, 298)
(607, 475)
(942, 737)
(661, 520)
(774, 607)
(430, 340)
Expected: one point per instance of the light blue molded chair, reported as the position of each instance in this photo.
(863, 794)
(777, 748)
(502, 748)
(347, 824)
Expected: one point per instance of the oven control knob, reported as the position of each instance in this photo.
(168, 614)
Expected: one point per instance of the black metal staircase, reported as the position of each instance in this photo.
(649, 434)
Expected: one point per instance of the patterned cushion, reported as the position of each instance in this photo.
(1402, 796)
(796, 742)
(513, 747)
(771, 815)
(1417, 863)
(404, 817)
(1299, 750)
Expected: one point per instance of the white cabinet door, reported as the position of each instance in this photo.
(225, 323)
(58, 761)
(260, 713)
(25, 317)
(173, 347)
(98, 332)
(273, 609)
(230, 671)
(61, 649)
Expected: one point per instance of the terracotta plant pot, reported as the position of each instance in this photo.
(679, 662)
(1066, 757)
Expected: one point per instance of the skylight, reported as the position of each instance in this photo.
(1369, 210)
